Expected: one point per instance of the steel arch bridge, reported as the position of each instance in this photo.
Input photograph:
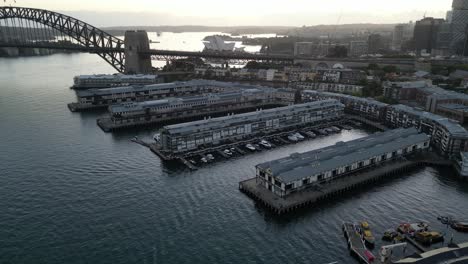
(90, 38)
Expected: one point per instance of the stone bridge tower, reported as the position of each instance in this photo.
(135, 42)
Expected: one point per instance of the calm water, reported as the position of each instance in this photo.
(70, 193)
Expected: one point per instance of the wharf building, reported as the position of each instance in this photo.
(101, 98)
(113, 80)
(167, 110)
(300, 172)
(447, 136)
(191, 136)
(364, 107)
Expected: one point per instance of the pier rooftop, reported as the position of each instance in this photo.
(166, 86)
(300, 166)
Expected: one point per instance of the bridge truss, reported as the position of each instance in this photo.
(35, 28)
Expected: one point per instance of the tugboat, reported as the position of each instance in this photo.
(367, 235)
(429, 237)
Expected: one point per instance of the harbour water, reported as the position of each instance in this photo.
(70, 193)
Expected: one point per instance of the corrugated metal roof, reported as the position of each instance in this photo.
(300, 166)
(227, 121)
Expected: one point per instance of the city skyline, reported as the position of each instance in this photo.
(211, 13)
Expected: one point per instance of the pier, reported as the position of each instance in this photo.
(325, 191)
(356, 245)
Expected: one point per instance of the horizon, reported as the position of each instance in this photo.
(210, 13)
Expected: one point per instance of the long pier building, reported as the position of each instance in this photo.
(190, 136)
(102, 98)
(302, 171)
(201, 106)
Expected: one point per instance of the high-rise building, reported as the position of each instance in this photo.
(376, 43)
(426, 33)
(358, 48)
(401, 34)
(459, 22)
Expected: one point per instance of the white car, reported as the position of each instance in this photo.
(210, 156)
(293, 138)
(265, 144)
(228, 152)
(250, 147)
(299, 136)
(204, 160)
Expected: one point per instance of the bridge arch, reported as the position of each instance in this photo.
(108, 47)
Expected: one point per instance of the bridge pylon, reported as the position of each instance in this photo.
(136, 62)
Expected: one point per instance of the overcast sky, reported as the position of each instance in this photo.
(243, 12)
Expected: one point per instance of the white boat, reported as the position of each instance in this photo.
(250, 147)
(265, 144)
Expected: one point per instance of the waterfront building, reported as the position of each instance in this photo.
(345, 76)
(170, 109)
(330, 87)
(95, 98)
(431, 98)
(299, 172)
(215, 131)
(364, 107)
(448, 137)
(113, 80)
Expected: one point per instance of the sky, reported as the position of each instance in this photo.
(242, 12)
